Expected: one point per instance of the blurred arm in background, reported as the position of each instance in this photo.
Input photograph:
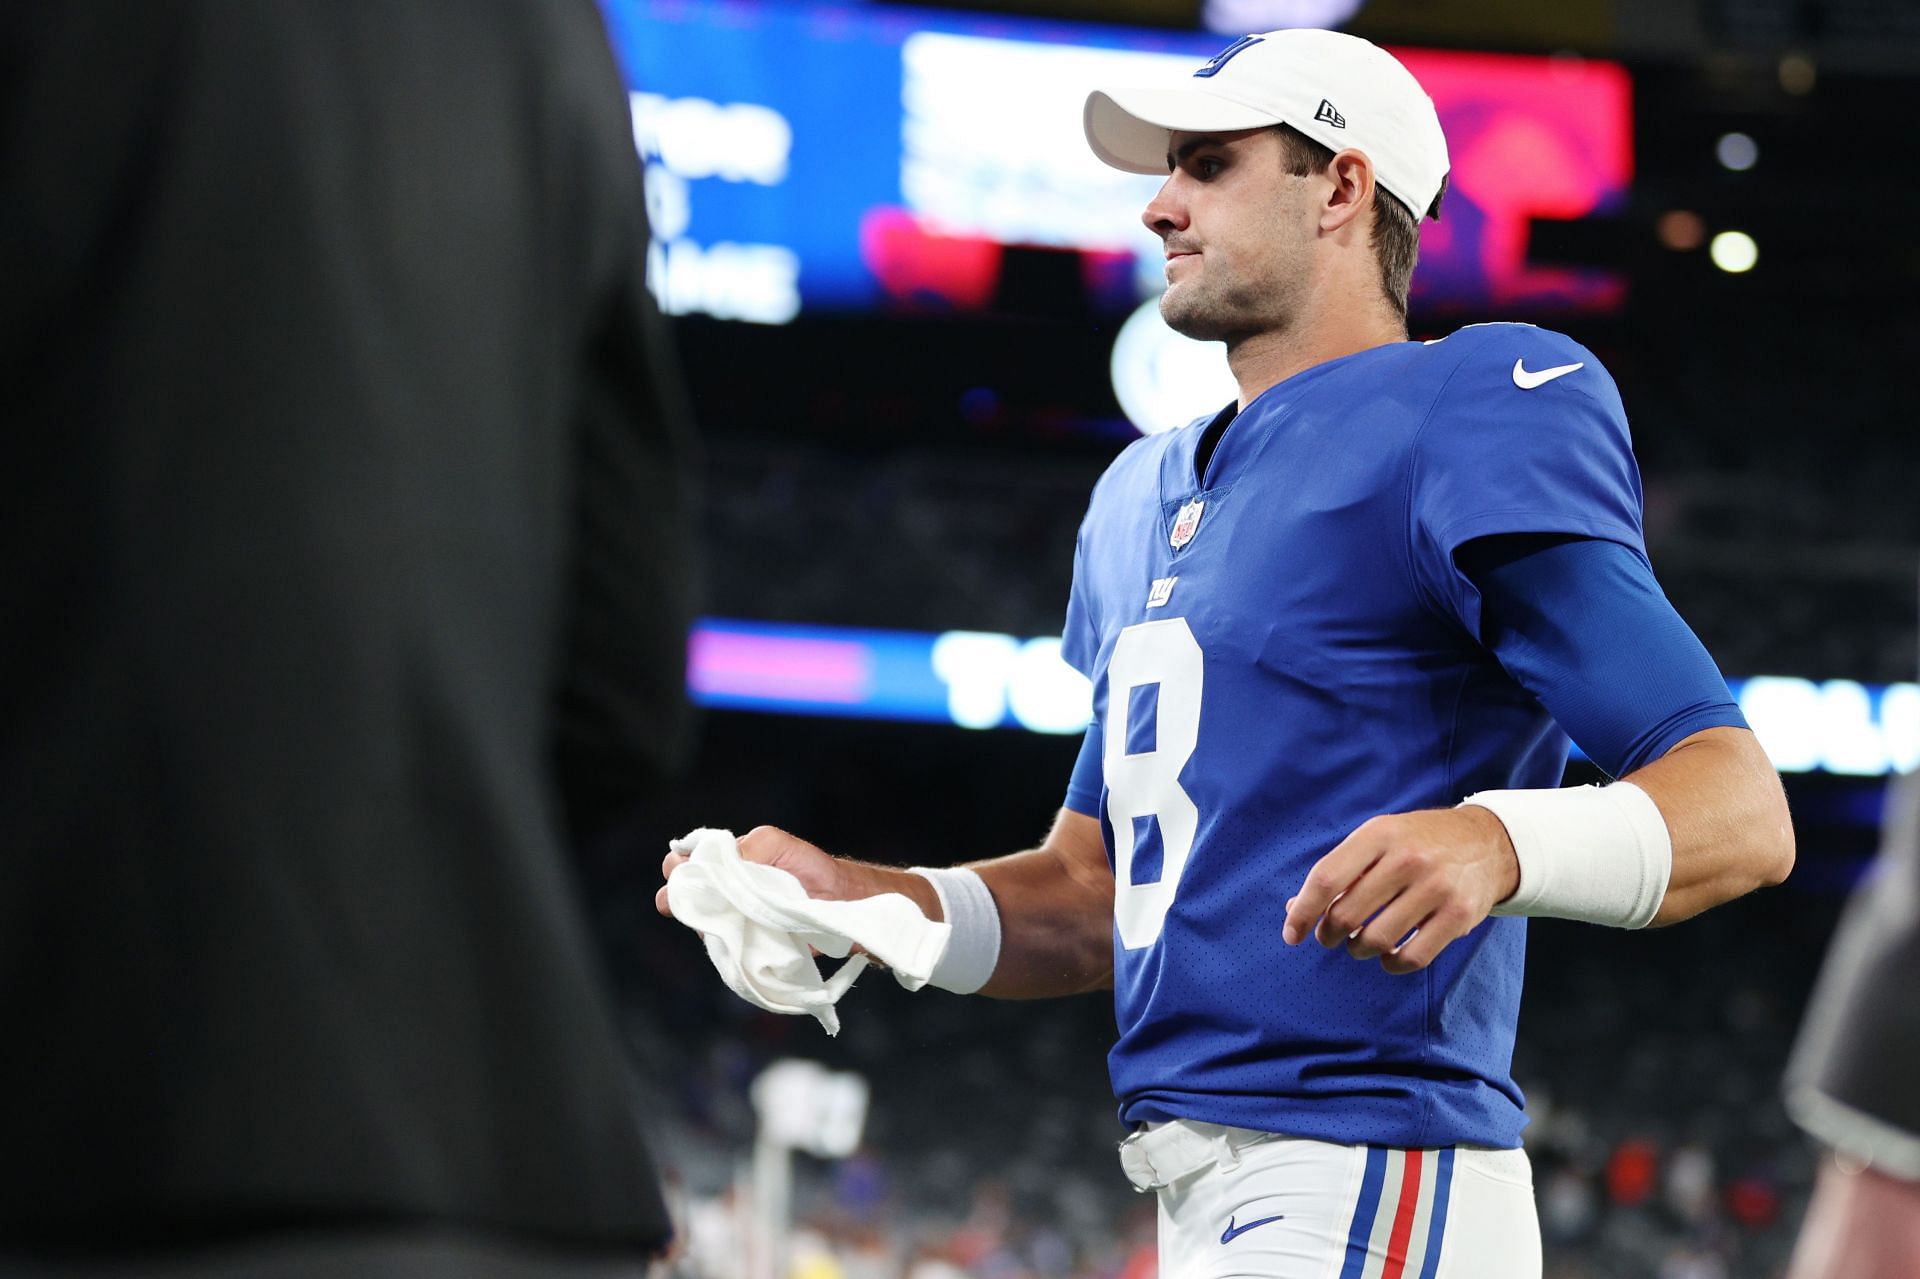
(1854, 1080)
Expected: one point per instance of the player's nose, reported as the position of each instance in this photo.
(1166, 212)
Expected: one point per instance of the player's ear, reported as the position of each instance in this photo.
(1351, 175)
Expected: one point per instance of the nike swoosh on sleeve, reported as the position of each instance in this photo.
(1527, 381)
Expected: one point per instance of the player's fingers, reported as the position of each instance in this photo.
(1436, 932)
(672, 863)
(1350, 911)
(1330, 932)
(660, 904)
(764, 843)
(1330, 877)
(1391, 924)
(1365, 897)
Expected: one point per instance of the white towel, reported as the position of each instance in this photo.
(759, 923)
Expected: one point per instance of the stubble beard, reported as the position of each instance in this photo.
(1220, 314)
(1246, 294)
(1188, 314)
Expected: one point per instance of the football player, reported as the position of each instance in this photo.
(1339, 634)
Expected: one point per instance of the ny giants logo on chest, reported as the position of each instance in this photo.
(1186, 524)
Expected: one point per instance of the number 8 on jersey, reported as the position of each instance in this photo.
(1161, 656)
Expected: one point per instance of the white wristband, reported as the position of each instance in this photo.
(973, 948)
(1597, 853)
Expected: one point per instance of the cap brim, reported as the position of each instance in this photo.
(1127, 128)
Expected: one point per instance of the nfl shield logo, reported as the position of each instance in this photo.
(1187, 523)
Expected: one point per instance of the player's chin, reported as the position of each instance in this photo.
(1194, 316)
(1187, 314)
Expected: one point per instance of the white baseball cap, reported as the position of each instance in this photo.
(1338, 89)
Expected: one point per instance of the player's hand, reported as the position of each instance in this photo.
(823, 876)
(1402, 887)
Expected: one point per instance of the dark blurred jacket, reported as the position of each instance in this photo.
(1854, 1080)
(345, 559)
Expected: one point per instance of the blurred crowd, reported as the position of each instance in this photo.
(940, 538)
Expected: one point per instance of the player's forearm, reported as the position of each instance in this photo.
(1726, 815)
(1056, 925)
(1054, 903)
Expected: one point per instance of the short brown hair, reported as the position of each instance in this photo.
(1396, 231)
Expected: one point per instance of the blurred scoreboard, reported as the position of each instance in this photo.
(979, 679)
(804, 158)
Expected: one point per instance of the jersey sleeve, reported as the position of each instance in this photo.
(1582, 624)
(1503, 451)
(1080, 648)
(1080, 637)
(1083, 788)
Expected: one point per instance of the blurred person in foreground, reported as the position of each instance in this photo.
(345, 584)
(1854, 1079)
(1393, 577)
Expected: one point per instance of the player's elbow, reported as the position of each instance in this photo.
(1749, 845)
(1763, 829)
(1764, 840)
(1775, 855)
(1769, 823)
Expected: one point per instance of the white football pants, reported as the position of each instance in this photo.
(1237, 1204)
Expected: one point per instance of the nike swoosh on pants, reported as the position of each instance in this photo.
(1233, 1232)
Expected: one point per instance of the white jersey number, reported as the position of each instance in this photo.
(1148, 784)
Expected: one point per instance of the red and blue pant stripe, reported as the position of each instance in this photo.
(1400, 1221)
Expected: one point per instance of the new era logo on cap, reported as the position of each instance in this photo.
(1221, 58)
(1329, 115)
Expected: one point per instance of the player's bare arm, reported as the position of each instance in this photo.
(1056, 914)
(1862, 1224)
(1055, 901)
(1727, 814)
(1442, 872)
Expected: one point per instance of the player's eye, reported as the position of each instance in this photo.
(1197, 165)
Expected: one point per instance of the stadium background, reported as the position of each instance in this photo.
(910, 449)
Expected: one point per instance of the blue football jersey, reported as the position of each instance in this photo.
(1282, 648)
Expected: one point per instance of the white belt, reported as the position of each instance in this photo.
(1161, 1154)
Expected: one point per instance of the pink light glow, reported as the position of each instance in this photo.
(1529, 137)
(802, 670)
(912, 262)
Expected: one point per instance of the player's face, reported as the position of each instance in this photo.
(1238, 229)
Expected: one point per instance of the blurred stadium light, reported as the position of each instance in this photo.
(798, 1105)
(1237, 17)
(1737, 151)
(1164, 379)
(1734, 252)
